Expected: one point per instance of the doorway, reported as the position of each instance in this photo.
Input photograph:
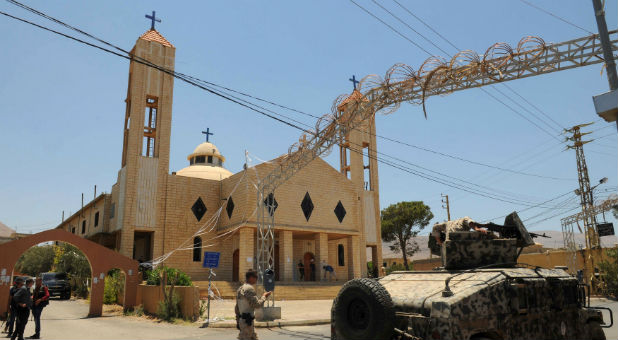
(235, 265)
(142, 246)
(309, 269)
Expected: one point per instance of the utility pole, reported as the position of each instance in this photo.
(447, 206)
(584, 191)
(606, 104)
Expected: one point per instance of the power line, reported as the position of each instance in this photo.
(264, 100)
(555, 16)
(415, 44)
(249, 105)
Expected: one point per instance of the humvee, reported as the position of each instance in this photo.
(480, 292)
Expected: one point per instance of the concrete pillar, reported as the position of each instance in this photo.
(286, 256)
(354, 266)
(376, 258)
(96, 292)
(246, 254)
(321, 254)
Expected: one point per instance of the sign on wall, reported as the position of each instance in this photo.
(211, 259)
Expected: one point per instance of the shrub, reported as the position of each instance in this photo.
(114, 286)
(609, 273)
(168, 311)
(182, 279)
(137, 311)
(396, 267)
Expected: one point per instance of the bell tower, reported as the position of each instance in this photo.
(358, 162)
(146, 147)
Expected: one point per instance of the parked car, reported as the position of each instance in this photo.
(57, 284)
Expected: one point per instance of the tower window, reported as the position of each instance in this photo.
(197, 249)
(200, 159)
(112, 211)
(83, 227)
(150, 126)
(209, 159)
(96, 219)
(341, 255)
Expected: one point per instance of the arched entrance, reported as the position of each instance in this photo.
(235, 266)
(101, 259)
(307, 262)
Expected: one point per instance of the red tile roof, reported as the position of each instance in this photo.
(154, 35)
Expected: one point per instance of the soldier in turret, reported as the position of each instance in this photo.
(246, 303)
(461, 224)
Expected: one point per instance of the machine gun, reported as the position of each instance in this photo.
(509, 231)
(513, 228)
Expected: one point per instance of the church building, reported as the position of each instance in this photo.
(323, 215)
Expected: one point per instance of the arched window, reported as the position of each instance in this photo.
(341, 255)
(197, 249)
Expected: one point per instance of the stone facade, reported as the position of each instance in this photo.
(322, 214)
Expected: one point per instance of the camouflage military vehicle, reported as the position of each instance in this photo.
(479, 293)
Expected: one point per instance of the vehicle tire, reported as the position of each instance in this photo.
(596, 331)
(363, 309)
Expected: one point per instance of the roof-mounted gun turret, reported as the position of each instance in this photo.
(472, 249)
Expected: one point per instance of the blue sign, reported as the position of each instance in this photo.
(211, 259)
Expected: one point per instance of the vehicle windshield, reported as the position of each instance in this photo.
(54, 276)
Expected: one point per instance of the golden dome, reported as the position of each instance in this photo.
(205, 162)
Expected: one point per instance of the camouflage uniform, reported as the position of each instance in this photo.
(246, 302)
(461, 224)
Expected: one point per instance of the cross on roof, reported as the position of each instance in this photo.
(153, 18)
(207, 133)
(354, 81)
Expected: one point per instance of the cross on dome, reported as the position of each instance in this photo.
(208, 133)
(153, 18)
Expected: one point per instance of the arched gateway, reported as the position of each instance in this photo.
(101, 261)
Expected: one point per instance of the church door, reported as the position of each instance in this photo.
(235, 265)
(307, 262)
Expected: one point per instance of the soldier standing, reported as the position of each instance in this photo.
(246, 303)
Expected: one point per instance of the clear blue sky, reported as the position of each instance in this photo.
(63, 103)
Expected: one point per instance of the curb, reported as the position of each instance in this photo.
(269, 324)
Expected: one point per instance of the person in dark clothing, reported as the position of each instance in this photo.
(40, 299)
(23, 301)
(301, 270)
(312, 267)
(10, 322)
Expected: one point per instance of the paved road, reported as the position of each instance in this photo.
(66, 320)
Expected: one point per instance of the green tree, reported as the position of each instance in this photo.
(69, 259)
(609, 272)
(36, 260)
(401, 222)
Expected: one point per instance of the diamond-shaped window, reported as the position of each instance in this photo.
(340, 212)
(307, 206)
(230, 207)
(271, 203)
(199, 208)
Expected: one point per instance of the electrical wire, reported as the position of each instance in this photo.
(431, 55)
(227, 97)
(205, 83)
(555, 16)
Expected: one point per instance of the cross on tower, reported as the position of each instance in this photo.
(207, 133)
(153, 18)
(354, 81)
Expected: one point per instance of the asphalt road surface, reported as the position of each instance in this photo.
(67, 320)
